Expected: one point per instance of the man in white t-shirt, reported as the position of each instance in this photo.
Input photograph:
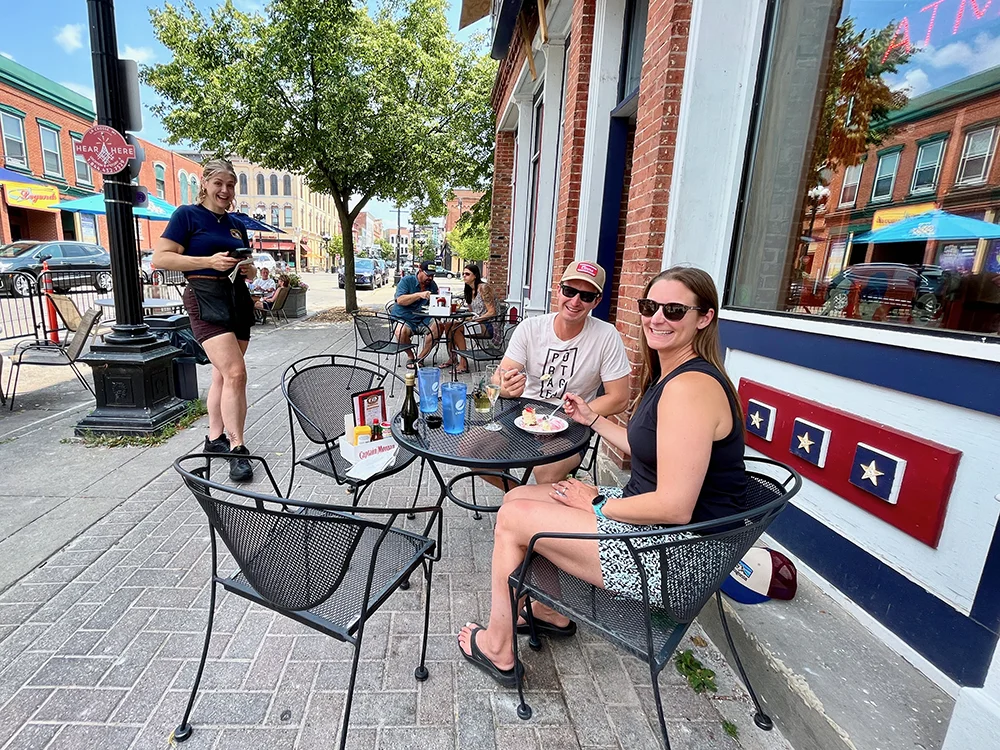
(577, 352)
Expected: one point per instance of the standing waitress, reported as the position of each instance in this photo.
(206, 244)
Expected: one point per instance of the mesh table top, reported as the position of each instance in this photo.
(510, 447)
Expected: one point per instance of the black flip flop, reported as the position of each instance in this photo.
(506, 677)
(543, 627)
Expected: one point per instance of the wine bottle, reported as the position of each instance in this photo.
(410, 412)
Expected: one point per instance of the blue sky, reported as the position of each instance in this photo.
(952, 39)
(53, 39)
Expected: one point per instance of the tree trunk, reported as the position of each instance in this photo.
(350, 289)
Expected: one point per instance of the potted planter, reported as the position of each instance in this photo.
(295, 305)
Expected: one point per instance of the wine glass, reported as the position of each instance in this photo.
(493, 393)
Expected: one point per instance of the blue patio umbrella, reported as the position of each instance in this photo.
(253, 225)
(932, 225)
(156, 210)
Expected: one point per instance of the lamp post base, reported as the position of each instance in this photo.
(136, 392)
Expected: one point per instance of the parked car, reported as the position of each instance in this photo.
(899, 286)
(73, 264)
(146, 265)
(264, 260)
(442, 273)
(383, 271)
(366, 274)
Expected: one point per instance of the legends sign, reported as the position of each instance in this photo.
(104, 149)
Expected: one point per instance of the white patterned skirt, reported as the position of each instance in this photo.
(621, 576)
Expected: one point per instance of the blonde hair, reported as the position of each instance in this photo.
(706, 340)
(212, 168)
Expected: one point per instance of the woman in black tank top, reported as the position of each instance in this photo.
(685, 440)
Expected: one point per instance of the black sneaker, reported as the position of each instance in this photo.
(219, 445)
(240, 469)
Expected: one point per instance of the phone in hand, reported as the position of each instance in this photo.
(241, 253)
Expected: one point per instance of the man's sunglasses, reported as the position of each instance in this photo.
(671, 310)
(569, 291)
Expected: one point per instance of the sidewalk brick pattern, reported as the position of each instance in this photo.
(99, 646)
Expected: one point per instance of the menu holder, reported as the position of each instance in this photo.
(369, 406)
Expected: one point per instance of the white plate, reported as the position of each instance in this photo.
(557, 425)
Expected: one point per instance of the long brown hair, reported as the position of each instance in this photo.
(706, 340)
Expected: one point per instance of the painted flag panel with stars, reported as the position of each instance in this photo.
(761, 419)
(877, 472)
(810, 442)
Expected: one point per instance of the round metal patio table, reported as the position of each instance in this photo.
(487, 453)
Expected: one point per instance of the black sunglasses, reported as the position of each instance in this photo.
(671, 310)
(569, 291)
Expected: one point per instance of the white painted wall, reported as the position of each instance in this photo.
(951, 571)
(719, 79)
(602, 96)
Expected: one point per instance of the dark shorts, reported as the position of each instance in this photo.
(204, 331)
(415, 322)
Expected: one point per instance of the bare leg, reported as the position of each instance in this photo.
(226, 355)
(517, 521)
(459, 343)
(404, 334)
(429, 340)
(216, 427)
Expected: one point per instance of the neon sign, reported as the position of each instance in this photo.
(901, 37)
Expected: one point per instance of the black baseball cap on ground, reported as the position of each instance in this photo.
(428, 267)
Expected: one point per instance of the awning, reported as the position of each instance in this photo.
(156, 209)
(472, 11)
(932, 225)
(9, 175)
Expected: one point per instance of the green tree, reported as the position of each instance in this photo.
(426, 251)
(470, 241)
(335, 247)
(386, 249)
(364, 106)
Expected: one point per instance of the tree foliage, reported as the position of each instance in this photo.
(335, 246)
(470, 241)
(858, 99)
(364, 106)
(385, 248)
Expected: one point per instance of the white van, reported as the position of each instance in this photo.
(264, 260)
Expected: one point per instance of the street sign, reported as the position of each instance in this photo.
(104, 149)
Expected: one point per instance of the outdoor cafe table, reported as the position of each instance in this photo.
(149, 305)
(487, 453)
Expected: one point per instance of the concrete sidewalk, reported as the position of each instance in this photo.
(104, 565)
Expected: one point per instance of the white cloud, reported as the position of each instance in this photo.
(80, 88)
(982, 54)
(7, 55)
(250, 6)
(914, 82)
(142, 55)
(70, 37)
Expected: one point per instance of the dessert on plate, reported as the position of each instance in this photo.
(528, 418)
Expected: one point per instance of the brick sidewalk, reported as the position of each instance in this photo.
(99, 645)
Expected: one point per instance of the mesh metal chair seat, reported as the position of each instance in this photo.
(481, 347)
(327, 567)
(318, 392)
(692, 560)
(375, 333)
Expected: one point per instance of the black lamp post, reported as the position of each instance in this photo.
(133, 369)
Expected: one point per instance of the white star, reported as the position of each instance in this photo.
(756, 420)
(805, 442)
(871, 472)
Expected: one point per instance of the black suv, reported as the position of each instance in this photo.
(72, 264)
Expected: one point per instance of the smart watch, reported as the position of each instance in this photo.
(598, 503)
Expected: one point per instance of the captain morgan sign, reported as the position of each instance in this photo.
(104, 149)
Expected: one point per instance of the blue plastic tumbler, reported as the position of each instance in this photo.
(428, 383)
(453, 407)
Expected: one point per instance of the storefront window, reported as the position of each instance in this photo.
(872, 193)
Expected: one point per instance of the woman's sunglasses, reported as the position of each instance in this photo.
(671, 310)
(569, 291)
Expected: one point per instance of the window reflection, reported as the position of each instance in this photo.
(902, 121)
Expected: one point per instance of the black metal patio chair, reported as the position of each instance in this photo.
(327, 567)
(318, 391)
(693, 562)
(480, 347)
(51, 354)
(375, 333)
(277, 308)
